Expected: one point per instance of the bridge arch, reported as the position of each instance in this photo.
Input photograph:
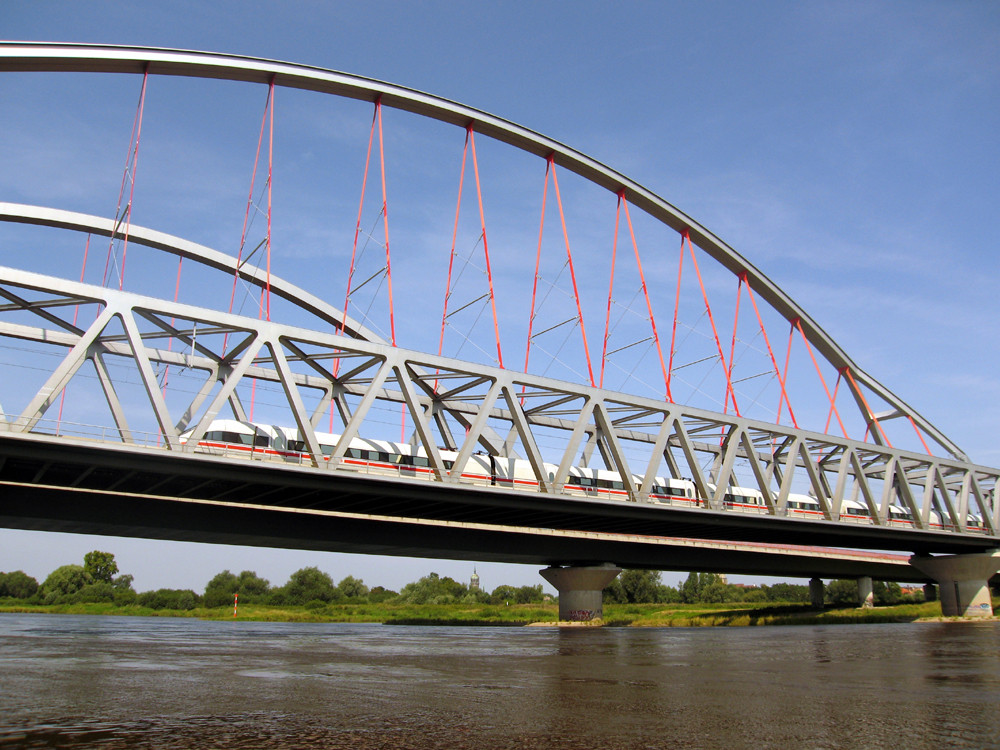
(139, 60)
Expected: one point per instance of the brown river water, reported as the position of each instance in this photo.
(114, 682)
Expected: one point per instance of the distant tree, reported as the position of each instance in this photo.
(251, 587)
(669, 595)
(18, 584)
(380, 594)
(352, 588)
(503, 594)
(529, 594)
(123, 582)
(97, 591)
(755, 595)
(787, 592)
(478, 596)
(100, 566)
(432, 589)
(842, 593)
(640, 586)
(65, 580)
(695, 584)
(309, 584)
(887, 593)
(715, 592)
(219, 591)
(182, 599)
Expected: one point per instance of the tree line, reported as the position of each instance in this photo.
(98, 580)
(644, 586)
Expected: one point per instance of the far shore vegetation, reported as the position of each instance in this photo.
(635, 598)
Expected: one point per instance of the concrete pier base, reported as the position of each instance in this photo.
(865, 593)
(962, 581)
(581, 590)
(816, 592)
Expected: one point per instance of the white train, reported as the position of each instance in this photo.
(254, 440)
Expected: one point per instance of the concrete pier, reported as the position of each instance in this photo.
(962, 581)
(816, 592)
(866, 595)
(581, 590)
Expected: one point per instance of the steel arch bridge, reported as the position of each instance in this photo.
(141, 369)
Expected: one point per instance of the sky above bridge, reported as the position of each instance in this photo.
(848, 149)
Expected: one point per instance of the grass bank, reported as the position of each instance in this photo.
(390, 614)
(615, 615)
(737, 614)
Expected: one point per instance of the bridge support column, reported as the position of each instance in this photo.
(581, 590)
(930, 592)
(962, 581)
(865, 593)
(816, 592)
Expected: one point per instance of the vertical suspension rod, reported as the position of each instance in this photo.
(836, 387)
(677, 304)
(711, 319)
(132, 157)
(870, 414)
(357, 226)
(246, 215)
(732, 344)
(385, 222)
(797, 323)
(454, 241)
(572, 273)
(784, 377)
(486, 246)
(270, 172)
(611, 288)
(538, 260)
(919, 434)
(770, 352)
(642, 279)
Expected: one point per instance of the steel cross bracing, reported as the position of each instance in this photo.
(21, 56)
(132, 329)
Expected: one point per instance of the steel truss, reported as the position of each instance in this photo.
(440, 394)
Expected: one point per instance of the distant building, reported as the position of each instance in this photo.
(474, 583)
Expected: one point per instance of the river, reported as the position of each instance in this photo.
(135, 682)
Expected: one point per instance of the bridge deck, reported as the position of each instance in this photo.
(146, 492)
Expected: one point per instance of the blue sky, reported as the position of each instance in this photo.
(848, 149)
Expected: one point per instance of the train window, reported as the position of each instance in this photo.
(225, 436)
(259, 441)
(420, 461)
(448, 464)
(297, 446)
(327, 450)
(353, 453)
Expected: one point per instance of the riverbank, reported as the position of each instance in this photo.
(615, 615)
